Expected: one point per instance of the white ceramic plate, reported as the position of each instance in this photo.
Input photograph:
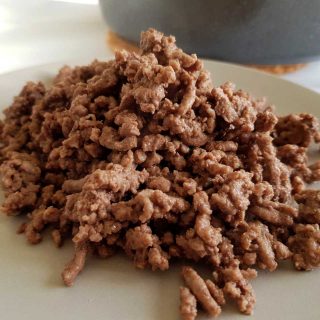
(30, 283)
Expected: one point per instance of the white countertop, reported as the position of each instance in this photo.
(37, 32)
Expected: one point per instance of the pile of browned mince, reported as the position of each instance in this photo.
(143, 154)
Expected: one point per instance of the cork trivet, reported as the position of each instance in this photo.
(278, 68)
(115, 42)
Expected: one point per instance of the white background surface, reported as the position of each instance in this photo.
(34, 32)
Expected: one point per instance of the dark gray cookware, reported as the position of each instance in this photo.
(246, 31)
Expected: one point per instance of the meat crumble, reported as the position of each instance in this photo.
(143, 154)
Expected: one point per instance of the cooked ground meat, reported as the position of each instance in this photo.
(298, 130)
(305, 245)
(74, 267)
(188, 306)
(200, 290)
(143, 154)
(309, 206)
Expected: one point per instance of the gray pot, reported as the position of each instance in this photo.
(246, 31)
